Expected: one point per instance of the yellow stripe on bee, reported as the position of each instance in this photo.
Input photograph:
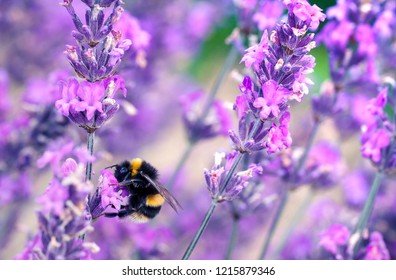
(155, 200)
(136, 163)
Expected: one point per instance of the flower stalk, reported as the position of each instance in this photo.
(294, 222)
(229, 62)
(209, 213)
(280, 62)
(194, 138)
(274, 223)
(233, 237)
(285, 194)
(366, 212)
(90, 148)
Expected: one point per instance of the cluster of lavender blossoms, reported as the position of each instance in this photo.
(280, 63)
(334, 242)
(216, 176)
(98, 53)
(304, 172)
(26, 135)
(356, 32)
(378, 133)
(89, 104)
(258, 14)
(109, 197)
(217, 122)
(62, 218)
(353, 36)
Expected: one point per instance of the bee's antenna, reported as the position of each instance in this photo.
(111, 166)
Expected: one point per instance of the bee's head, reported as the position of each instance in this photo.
(122, 171)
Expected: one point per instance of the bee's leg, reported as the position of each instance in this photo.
(121, 214)
(111, 215)
(124, 213)
(126, 177)
(128, 182)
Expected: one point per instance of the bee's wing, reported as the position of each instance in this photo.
(168, 197)
(164, 192)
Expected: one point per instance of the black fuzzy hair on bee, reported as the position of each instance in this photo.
(129, 170)
(147, 195)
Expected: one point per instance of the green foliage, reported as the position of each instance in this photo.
(213, 49)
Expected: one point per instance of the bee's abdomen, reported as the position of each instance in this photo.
(155, 200)
(150, 212)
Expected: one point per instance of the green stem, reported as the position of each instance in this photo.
(227, 65)
(367, 210)
(90, 144)
(229, 174)
(180, 164)
(88, 169)
(293, 224)
(233, 238)
(11, 218)
(274, 223)
(211, 209)
(200, 231)
(285, 194)
(308, 146)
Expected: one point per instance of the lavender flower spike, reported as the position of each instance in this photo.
(378, 133)
(215, 178)
(109, 197)
(218, 121)
(87, 104)
(62, 218)
(280, 63)
(100, 48)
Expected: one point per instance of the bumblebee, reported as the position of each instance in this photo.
(147, 195)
